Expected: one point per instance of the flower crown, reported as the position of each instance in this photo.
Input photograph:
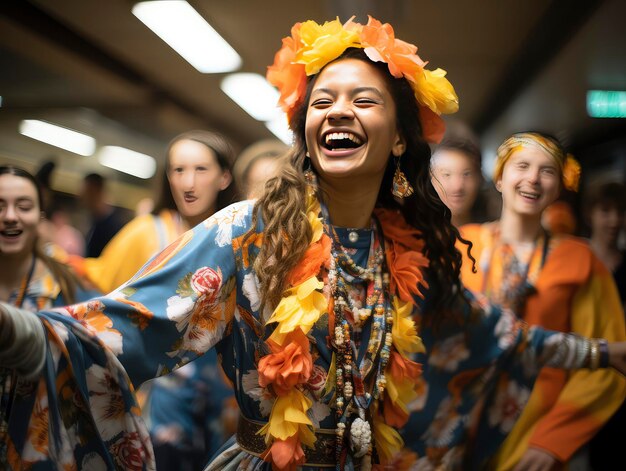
(311, 46)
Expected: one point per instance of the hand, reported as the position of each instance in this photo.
(536, 459)
(6, 328)
(617, 356)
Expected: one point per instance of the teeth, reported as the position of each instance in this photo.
(335, 136)
(11, 233)
(529, 195)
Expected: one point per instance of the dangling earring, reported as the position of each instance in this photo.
(309, 176)
(401, 188)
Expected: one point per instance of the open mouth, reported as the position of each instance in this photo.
(532, 196)
(11, 233)
(189, 198)
(341, 141)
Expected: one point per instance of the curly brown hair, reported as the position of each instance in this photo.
(283, 206)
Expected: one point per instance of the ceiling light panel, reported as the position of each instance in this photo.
(127, 161)
(58, 136)
(254, 94)
(187, 32)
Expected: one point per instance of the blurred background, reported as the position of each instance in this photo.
(99, 68)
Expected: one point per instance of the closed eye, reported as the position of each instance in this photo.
(322, 103)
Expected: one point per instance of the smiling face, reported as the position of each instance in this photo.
(195, 178)
(19, 215)
(351, 125)
(530, 182)
(456, 179)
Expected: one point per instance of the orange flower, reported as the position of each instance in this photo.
(141, 316)
(285, 455)
(571, 173)
(404, 254)
(286, 75)
(315, 256)
(381, 46)
(433, 127)
(406, 273)
(401, 376)
(288, 366)
(397, 229)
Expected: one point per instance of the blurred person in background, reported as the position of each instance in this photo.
(144, 206)
(605, 209)
(59, 230)
(31, 278)
(256, 164)
(552, 281)
(190, 412)
(196, 182)
(457, 177)
(56, 227)
(106, 220)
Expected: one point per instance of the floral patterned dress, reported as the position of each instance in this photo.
(202, 293)
(42, 292)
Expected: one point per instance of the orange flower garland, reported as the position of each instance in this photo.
(312, 46)
(289, 365)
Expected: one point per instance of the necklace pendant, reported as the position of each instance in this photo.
(353, 237)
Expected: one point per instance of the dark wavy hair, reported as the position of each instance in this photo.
(283, 210)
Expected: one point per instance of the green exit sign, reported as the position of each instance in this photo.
(606, 104)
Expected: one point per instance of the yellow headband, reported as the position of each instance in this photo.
(569, 168)
(312, 46)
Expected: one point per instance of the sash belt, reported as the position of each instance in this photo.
(322, 455)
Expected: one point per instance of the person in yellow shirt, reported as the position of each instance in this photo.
(197, 182)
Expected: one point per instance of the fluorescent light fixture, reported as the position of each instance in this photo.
(127, 161)
(252, 93)
(58, 136)
(187, 32)
(606, 104)
(280, 129)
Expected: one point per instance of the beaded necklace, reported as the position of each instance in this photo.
(360, 372)
(515, 296)
(358, 383)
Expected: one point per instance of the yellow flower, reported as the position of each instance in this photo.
(313, 211)
(387, 440)
(432, 89)
(302, 307)
(400, 392)
(404, 331)
(288, 418)
(323, 43)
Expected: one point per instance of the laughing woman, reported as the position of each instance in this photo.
(313, 295)
(30, 279)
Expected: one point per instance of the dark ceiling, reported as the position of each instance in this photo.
(94, 67)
